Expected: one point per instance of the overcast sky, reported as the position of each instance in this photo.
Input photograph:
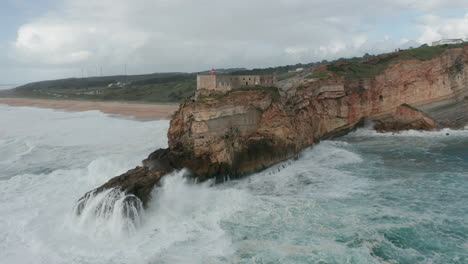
(48, 39)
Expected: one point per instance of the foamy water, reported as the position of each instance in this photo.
(364, 198)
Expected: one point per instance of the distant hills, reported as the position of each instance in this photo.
(156, 87)
(173, 87)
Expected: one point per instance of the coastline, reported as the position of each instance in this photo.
(140, 111)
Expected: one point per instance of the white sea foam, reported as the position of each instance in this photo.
(38, 224)
(316, 173)
(369, 132)
(13, 149)
(325, 206)
(110, 213)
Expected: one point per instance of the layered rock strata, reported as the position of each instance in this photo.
(247, 130)
(405, 117)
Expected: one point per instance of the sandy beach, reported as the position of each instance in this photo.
(143, 111)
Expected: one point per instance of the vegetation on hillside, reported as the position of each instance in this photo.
(281, 72)
(157, 87)
(273, 91)
(175, 86)
(370, 66)
(160, 87)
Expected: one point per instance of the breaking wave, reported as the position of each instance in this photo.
(109, 213)
(363, 198)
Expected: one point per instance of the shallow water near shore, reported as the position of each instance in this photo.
(362, 198)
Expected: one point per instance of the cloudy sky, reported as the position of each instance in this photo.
(48, 39)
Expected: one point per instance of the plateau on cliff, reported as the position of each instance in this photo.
(243, 130)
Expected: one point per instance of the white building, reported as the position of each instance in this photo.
(447, 41)
(296, 70)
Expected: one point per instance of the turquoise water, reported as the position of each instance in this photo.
(362, 198)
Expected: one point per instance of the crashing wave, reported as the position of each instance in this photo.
(112, 210)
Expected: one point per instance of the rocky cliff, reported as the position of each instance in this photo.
(405, 117)
(246, 130)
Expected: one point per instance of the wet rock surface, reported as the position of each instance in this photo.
(158, 161)
(405, 117)
(451, 113)
(136, 183)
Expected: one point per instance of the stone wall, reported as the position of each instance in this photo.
(206, 82)
(224, 83)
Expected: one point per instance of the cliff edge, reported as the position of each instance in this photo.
(249, 129)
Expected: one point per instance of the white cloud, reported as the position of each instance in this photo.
(436, 28)
(58, 42)
(184, 35)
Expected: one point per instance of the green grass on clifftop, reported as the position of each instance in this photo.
(176, 86)
(371, 66)
(273, 91)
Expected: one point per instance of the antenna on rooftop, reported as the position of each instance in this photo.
(213, 71)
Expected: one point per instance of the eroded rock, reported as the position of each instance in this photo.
(405, 117)
(158, 161)
(136, 184)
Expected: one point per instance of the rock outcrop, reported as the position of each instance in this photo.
(247, 130)
(237, 133)
(405, 118)
(137, 183)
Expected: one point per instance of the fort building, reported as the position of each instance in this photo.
(224, 83)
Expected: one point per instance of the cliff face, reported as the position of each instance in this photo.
(405, 117)
(244, 131)
(236, 133)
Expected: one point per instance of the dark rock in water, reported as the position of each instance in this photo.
(158, 161)
(405, 118)
(139, 182)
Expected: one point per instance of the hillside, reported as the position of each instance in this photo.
(176, 86)
(370, 66)
(156, 87)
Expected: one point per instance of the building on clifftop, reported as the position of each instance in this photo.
(224, 83)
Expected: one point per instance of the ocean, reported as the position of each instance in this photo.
(362, 198)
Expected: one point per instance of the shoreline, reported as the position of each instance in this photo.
(140, 111)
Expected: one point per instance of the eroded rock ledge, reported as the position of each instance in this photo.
(406, 117)
(244, 131)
